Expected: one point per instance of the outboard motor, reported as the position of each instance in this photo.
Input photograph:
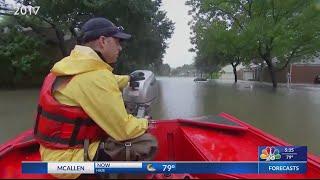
(139, 95)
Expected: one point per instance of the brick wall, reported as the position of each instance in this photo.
(300, 73)
(281, 76)
(304, 73)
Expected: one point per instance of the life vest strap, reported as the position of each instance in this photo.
(63, 119)
(58, 140)
(75, 132)
(39, 111)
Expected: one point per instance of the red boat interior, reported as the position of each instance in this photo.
(211, 138)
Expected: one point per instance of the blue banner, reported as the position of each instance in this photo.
(262, 167)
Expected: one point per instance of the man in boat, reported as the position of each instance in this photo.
(81, 113)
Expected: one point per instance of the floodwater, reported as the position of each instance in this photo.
(292, 114)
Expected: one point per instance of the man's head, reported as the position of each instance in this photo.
(103, 36)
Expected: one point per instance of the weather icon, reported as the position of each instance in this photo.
(150, 168)
(270, 154)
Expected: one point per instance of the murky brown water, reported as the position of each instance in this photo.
(290, 114)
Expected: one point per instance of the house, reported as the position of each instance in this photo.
(227, 73)
(304, 73)
(301, 72)
(249, 73)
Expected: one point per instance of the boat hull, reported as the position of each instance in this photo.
(212, 138)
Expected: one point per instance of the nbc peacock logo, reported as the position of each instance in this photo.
(270, 154)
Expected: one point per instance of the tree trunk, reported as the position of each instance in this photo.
(272, 73)
(59, 35)
(73, 32)
(61, 44)
(234, 66)
(235, 74)
(75, 35)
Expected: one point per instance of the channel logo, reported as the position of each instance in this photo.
(270, 154)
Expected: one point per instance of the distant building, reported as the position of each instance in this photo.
(302, 72)
(249, 73)
(243, 73)
(227, 73)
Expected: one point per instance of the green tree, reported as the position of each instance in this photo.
(185, 70)
(281, 32)
(148, 24)
(19, 58)
(164, 70)
(205, 64)
(222, 46)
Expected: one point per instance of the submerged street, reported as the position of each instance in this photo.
(289, 114)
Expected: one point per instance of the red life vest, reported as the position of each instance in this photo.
(61, 126)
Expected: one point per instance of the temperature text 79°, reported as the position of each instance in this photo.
(168, 167)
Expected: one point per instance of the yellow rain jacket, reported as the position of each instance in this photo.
(98, 91)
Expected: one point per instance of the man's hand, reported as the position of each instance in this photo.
(150, 124)
(148, 117)
(136, 76)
